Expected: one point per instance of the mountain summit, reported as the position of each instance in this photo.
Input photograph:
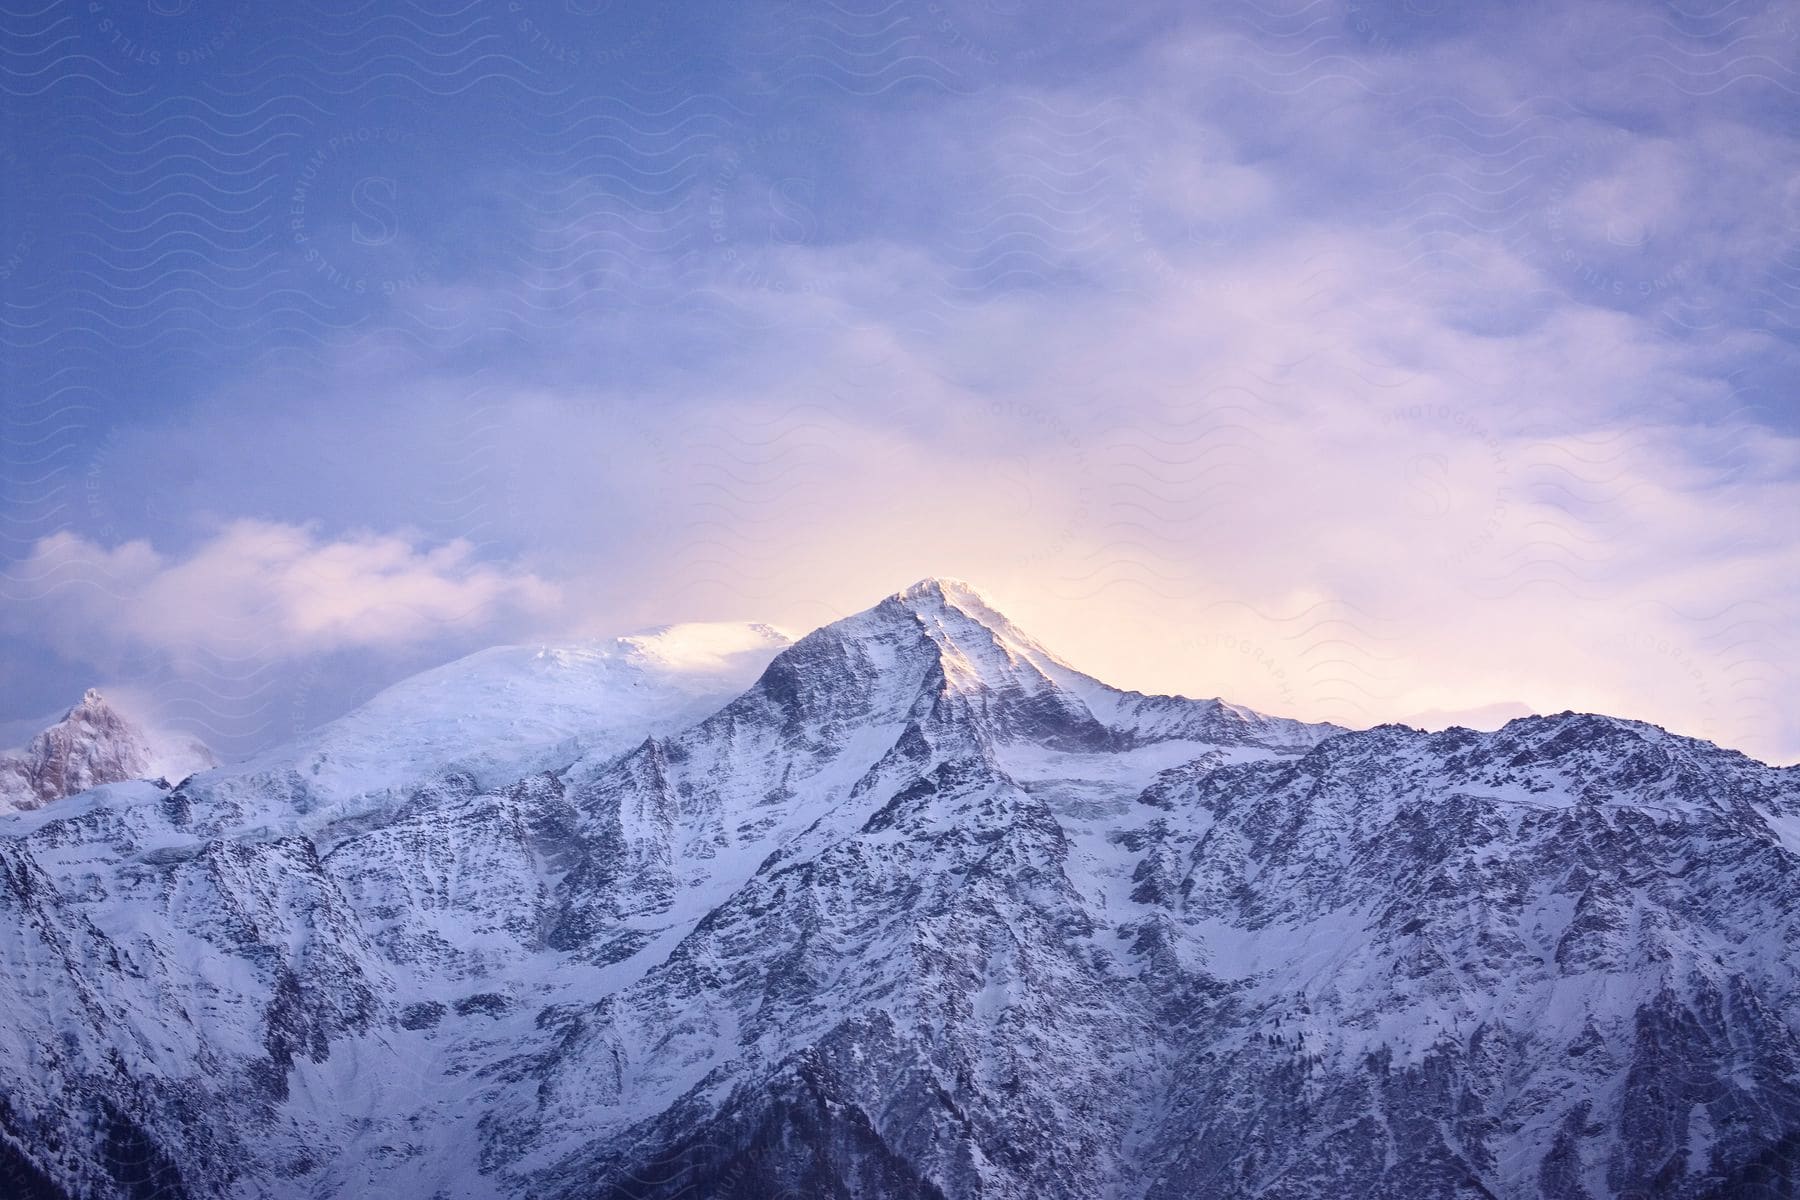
(93, 744)
(906, 908)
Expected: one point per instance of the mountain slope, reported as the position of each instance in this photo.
(1548, 961)
(92, 745)
(920, 911)
(489, 719)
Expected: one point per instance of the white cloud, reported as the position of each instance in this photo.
(258, 590)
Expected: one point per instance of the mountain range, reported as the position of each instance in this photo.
(908, 907)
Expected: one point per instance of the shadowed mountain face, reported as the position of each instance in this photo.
(919, 912)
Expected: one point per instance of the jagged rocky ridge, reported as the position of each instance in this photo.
(94, 744)
(921, 912)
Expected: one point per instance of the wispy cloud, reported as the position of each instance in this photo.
(259, 591)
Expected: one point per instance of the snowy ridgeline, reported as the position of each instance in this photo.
(907, 907)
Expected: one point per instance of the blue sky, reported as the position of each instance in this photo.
(1361, 361)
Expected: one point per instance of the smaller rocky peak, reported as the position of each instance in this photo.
(94, 744)
(94, 711)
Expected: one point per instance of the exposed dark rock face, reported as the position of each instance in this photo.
(923, 912)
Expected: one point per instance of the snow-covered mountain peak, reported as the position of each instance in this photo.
(92, 745)
(1583, 725)
(1554, 762)
(96, 713)
(943, 636)
(953, 600)
(981, 646)
(942, 589)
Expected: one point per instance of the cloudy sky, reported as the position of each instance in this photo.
(1354, 360)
